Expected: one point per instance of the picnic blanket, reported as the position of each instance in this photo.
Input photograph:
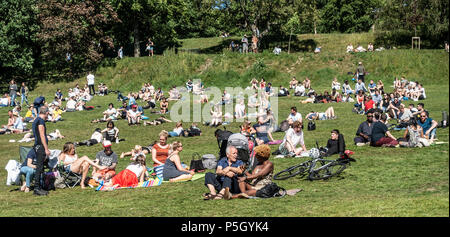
(156, 181)
(194, 177)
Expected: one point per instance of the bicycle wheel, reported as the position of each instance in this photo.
(293, 171)
(327, 171)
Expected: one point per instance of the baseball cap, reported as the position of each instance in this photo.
(107, 143)
(134, 106)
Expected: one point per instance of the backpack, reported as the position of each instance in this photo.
(284, 126)
(49, 181)
(209, 161)
(311, 126)
(444, 122)
(271, 190)
(39, 101)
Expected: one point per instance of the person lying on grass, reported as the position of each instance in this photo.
(261, 176)
(173, 170)
(96, 137)
(129, 177)
(328, 114)
(158, 121)
(134, 153)
(71, 162)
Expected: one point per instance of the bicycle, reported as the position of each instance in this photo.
(317, 168)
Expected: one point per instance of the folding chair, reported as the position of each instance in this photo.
(23, 152)
(71, 179)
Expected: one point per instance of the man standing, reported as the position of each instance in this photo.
(225, 179)
(244, 42)
(120, 52)
(91, 81)
(13, 92)
(360, 71)
(364, 130)
(40, 147)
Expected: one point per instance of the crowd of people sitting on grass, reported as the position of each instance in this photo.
(385, 112)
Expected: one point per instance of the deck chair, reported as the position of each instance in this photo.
(23, 152)
(71, 179)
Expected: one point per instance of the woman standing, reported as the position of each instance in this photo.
(13, 92)
(173, 171)
(24, 93)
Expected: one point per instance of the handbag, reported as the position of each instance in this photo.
(271, 190)
(196, 164)
(311, 126)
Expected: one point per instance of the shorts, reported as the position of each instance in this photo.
(106, 171)
(322, 116)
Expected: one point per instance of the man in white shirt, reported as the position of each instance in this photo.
(294, 116)
(90, 81)
(71, 105)
(293, 137)
(226, 98)
(133, 115)
(300, 90)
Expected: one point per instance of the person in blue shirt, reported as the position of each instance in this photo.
(224, 181)
(428, 125)
(28, 169)
(40, 147)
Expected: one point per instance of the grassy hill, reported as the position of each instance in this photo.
(383, 182)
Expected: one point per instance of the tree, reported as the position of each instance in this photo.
(75, 28)
(142, 19)
(18, 49)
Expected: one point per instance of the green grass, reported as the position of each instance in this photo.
(402, 182)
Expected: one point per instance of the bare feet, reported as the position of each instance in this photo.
(23, 187)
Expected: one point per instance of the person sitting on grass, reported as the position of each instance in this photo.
(111, 132)
(428, 125)
(413, 136)
(328, 114)
(364, 132)
(261, 175)
(72, 163)
(177, 130)
(262, 131)
(380, 134)
(216, 116)
(224, 181)
(129, 177)
(173, 170)
(160, 150)
(294, 116)
(107, 159)
(133, 116)
(293, 137)
(164, 105)
(336, 144)
(109, 114)
(28, 169)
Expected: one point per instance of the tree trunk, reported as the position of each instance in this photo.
(315, 28)
(137, 50)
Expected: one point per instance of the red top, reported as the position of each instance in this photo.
(161, 154)
(368, 105)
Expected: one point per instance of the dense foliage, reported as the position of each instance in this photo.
(37, 36)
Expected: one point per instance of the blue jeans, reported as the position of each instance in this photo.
(432, 133)
(215, 180)
(173, 134)
(29, 174)
(13, 100)
(24, 98)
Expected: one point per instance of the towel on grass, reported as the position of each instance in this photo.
(194, 177)
(149, 183)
